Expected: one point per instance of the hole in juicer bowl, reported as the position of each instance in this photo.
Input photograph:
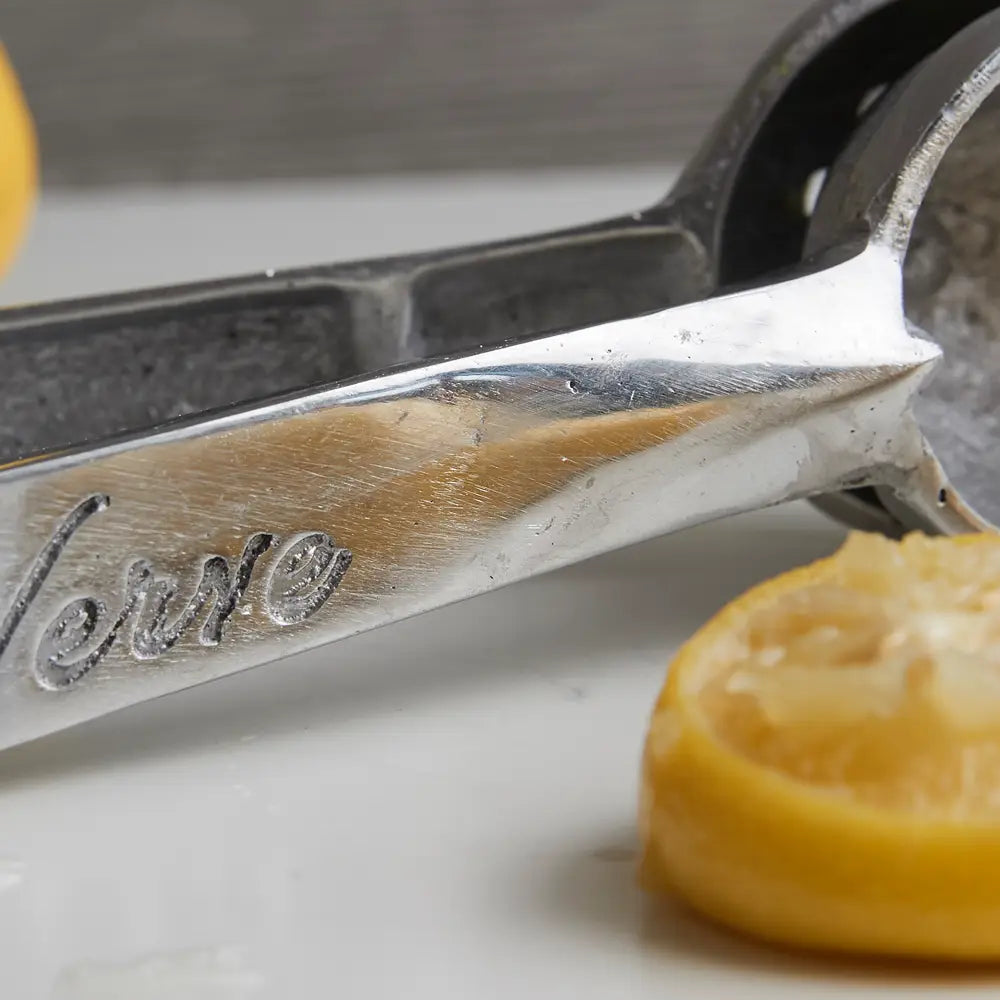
(951, 282)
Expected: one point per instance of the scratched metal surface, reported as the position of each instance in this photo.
(442, 809)
(520, 459)
(420, 487)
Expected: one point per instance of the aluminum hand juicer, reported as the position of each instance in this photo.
(201, 479)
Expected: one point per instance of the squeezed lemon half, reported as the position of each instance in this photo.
(823, 764)
(18, 163)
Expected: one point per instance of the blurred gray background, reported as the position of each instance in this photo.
(153, 91)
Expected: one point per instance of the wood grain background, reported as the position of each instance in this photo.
(160, 91)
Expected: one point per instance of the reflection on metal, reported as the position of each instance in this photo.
(202, 479)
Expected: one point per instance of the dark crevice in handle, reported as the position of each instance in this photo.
(76, 373)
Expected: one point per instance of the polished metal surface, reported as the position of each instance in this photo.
(203, 479)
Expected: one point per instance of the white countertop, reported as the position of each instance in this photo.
(443, 808)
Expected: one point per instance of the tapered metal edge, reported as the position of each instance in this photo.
(150, 565)
(743, 195)
(876, 188)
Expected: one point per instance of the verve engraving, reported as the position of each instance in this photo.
(305, 572)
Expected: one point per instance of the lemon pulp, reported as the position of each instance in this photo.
(823, 765)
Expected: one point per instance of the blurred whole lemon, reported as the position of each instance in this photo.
(823, 765)
(18, 163)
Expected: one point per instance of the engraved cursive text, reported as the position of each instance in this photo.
(305, 572)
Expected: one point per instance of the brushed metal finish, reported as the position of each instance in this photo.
(217, 475)
(447, 480)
